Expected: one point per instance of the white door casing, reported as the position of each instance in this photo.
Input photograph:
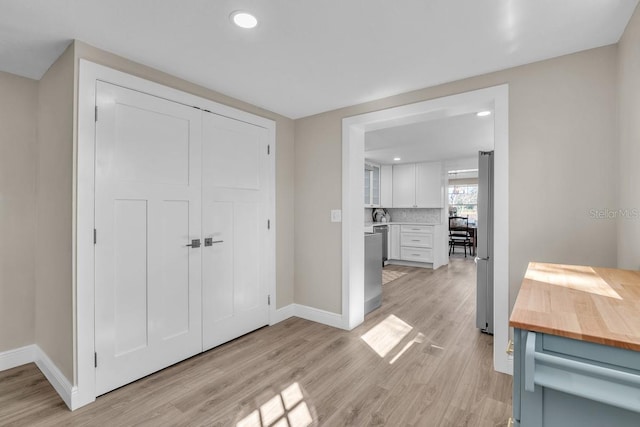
(353, 131)
(147, 209)
(235, 219)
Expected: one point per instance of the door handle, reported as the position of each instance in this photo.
(476, 259)
(195, 243)
(208, 241)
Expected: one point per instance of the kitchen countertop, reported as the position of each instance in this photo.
(368, 226)
(599, 305)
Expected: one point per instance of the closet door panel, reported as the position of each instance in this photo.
(148, 206)
(235, 200)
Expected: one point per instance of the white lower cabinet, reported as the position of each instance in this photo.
(414, 244)
(409, 253)
(394, 241)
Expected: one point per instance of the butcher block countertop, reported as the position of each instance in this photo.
(599, 305)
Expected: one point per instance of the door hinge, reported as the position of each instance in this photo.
(268, 224)
(268, 299)
(268, 149)
(96, 115)
(95, 236)
(95, 360)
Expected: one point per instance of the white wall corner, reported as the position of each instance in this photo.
(17, 357)
(56, 378)
(319, 316)
(283, 313)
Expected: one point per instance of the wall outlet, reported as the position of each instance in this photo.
(336, 215)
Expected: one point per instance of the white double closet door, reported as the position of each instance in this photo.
(169, 176)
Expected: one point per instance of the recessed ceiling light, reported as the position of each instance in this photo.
(396, 159)
(483, 113)
(243, 19)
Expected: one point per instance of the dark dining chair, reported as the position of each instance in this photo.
(459, 234)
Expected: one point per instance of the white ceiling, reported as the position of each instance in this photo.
(449, 138)
(307, 57)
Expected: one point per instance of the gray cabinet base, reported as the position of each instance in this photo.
(564, 382)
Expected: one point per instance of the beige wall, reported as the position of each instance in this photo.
(18, 101)
(629, 105)
(562, 155)
(53, 302)
(284, 155)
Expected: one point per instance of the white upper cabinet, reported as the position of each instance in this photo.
(404, 186)
(429, 185)
(386, 186)
(371, 185)
(418, 185)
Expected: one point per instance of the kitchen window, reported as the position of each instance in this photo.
(464, 197)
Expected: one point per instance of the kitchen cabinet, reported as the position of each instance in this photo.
(576, 362)
(429, 185)
(394, 241)
(418, 185)
(371, 185)
(404, 186)
(386, 186)
(561, 381)
(418, 245)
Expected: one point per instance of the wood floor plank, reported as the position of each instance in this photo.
(437, 374)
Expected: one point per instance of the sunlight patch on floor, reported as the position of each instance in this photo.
(387, 334)
(419, 339)
(285, 409)
(272, 411)
(251, 420)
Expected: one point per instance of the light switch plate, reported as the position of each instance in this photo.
(336, 215)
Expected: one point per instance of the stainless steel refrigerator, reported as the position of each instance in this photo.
(484, 255)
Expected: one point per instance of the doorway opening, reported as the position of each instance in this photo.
(353, 137)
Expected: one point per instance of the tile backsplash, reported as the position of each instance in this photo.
(433, 216)
(415, 215)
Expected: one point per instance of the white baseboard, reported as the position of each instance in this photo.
(17, 357)
(59, 382)
(282, 313)
(69, 393)
(309, 313)
(320, 316)
(33, 353)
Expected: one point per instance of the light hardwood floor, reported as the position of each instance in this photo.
(431, 368)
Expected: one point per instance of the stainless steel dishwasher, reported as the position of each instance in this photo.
(384, 230)
(372, 271)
